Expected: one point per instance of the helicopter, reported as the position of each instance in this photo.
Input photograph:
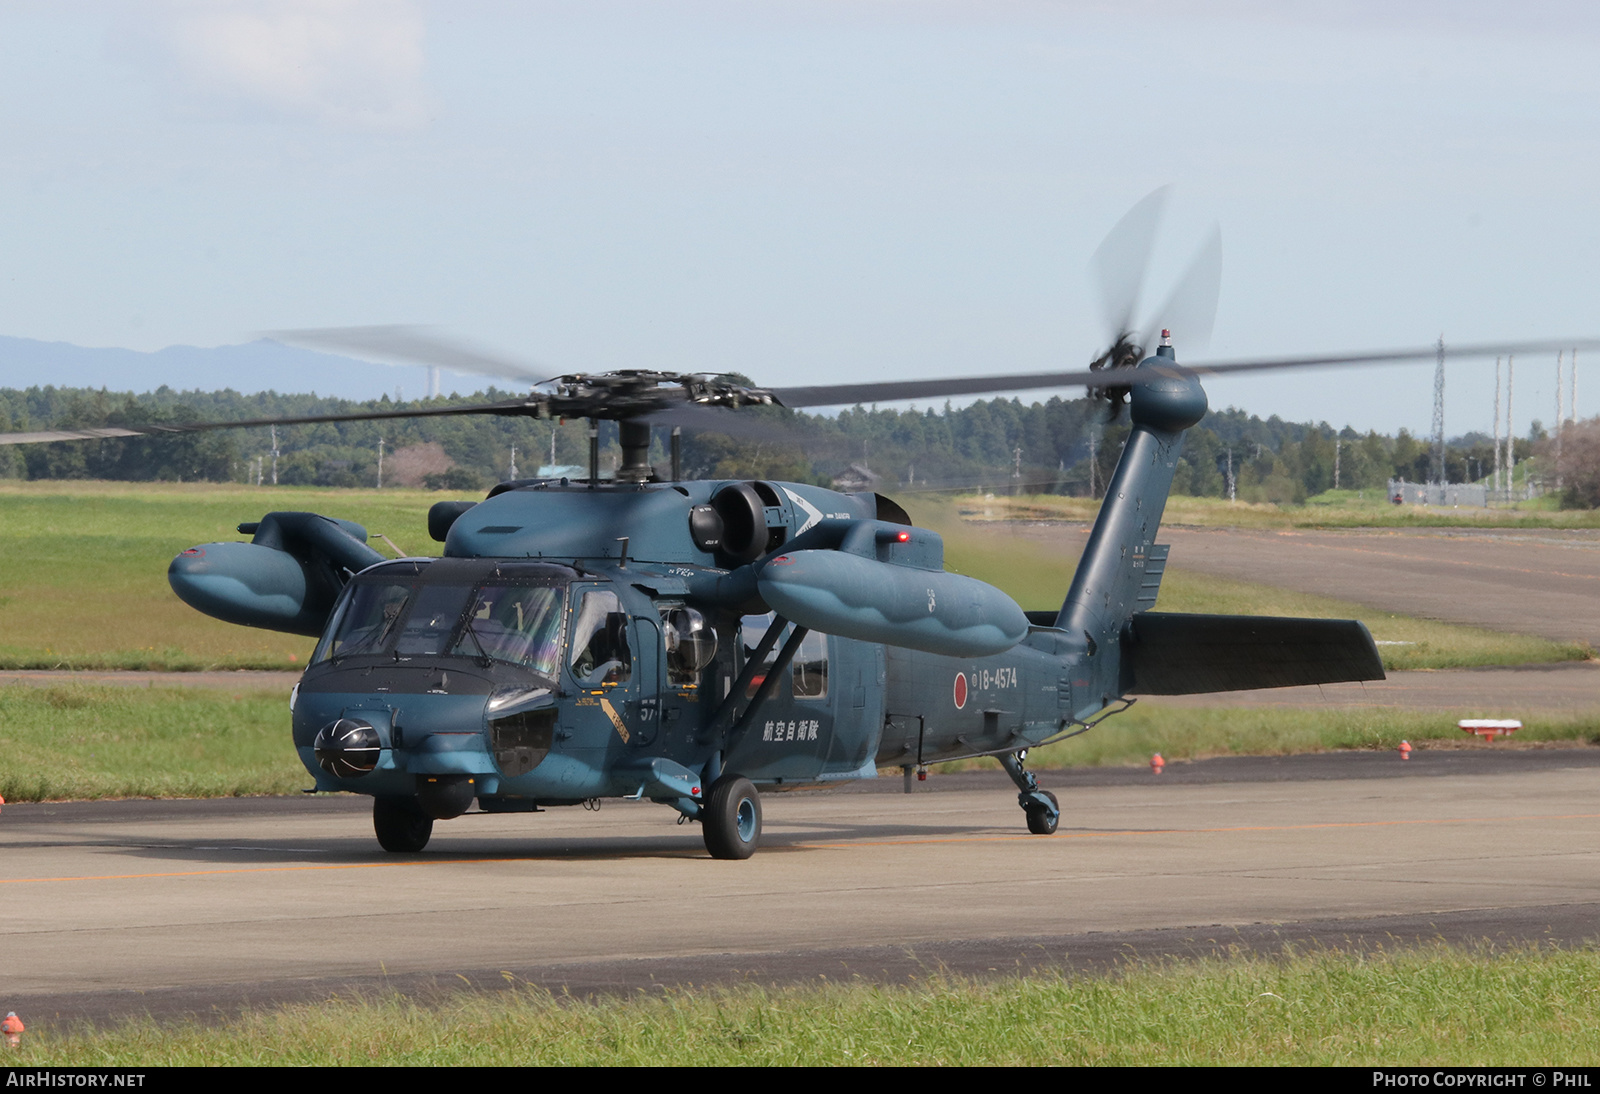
(695, 643)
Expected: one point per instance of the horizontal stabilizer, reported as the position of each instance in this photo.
(1167, 653)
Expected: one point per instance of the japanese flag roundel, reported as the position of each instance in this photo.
(961, 690)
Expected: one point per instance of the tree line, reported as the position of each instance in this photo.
(1066, 446)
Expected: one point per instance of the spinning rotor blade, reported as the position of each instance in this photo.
(889, 391)
(410, 346)
(510, 407)
(694, 401)
(1390, 357)
(893, 390)
(1192, 308)
(1122, 260)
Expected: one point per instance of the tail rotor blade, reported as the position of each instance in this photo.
(1191, 311)
(1122, 260)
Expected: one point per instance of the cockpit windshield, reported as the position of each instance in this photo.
(504, 619)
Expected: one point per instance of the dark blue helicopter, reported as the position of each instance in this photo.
(692, 642)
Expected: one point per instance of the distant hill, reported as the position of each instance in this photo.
(262, 365)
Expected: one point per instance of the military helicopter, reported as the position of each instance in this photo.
(692, 643)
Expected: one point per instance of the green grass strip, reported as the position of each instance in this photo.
(82, 741)
(1430, 1007)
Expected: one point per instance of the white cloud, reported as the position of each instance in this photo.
(348, 63)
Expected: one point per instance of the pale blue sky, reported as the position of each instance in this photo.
(809, 191)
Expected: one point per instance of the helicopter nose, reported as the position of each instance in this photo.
(347, 748)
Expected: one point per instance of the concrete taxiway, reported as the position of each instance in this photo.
(1544, 582)
(120, 907)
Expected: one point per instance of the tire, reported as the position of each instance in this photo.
(731, 818)
(402, 828)
(1042, 823)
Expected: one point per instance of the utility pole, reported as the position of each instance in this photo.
(1561, 421)
(1511, 450)
(380, 463)
(1231, 493)
(1438, 416)
(1497, 427)
(274, 455)
(1016, 471)
(1094, 435)
(513, 474)
(1336, 444)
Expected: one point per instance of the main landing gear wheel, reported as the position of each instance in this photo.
(401, 826)
(1042, 822)
(731, 818)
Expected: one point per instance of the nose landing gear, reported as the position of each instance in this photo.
(402, 827)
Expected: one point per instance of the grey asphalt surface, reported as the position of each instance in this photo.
(1543, 582)
(120, 908)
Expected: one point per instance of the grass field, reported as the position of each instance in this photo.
(83, 583)
(1434, 1007)
(83, 741)
(84, 578)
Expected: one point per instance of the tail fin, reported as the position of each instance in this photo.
(1121, 566)
(1121, 571)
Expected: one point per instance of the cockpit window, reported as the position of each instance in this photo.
(600, 653)
(510, 621)
(516, 623)
(367, 620)
(432, 620)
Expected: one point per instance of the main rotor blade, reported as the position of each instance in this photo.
(896, 390)
(510, 407)
(412, 346)
(1190, 312)
(1389, 357)
(839, 394)
(1123, 258)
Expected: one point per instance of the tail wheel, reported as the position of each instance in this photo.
(731, 818)
(401, 826)
(1041, 821)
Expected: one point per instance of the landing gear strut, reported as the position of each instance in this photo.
(1040, 806)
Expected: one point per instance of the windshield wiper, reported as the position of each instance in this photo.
(484, 660)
